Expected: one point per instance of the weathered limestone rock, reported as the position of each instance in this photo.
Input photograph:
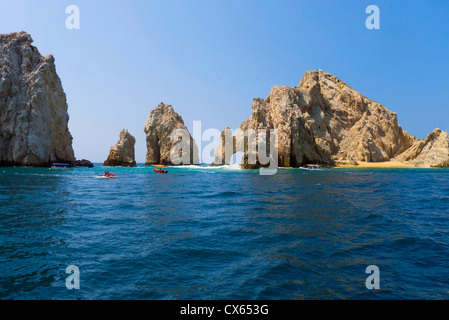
(122, 154)
(325, 121)
(162, 122)
(33, 108)
(226, 147)
(433, 151)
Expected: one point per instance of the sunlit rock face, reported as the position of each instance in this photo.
(159, 127)
(122, 153)
(433, 151)
(322, 120)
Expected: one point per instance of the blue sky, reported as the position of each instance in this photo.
(209, 59)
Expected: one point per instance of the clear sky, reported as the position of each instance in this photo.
(209, 59)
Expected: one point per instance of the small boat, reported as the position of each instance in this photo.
(160, 170)
(311, 167)
(107, 174)
(60, 165)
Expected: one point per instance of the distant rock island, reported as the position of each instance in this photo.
(161, 123)
(122, 154)
(325, 121)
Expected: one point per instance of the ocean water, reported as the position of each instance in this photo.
(224, 233)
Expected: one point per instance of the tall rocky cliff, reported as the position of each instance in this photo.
(122, 153)
(323, 120)
(159, 127)
(33, 108)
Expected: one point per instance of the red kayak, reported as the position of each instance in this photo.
(160, 170)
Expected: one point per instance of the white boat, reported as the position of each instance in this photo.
(311, 167)
(60, 165)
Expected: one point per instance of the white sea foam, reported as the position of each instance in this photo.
(234, 166)
(208, 167)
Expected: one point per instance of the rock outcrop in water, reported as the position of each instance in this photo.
(161, 145)
(82, 163)
(122, 154)
(434, 150)
(33, 108)
(325, 121)
(226, 147)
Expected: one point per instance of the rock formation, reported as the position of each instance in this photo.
(82, 163)
(162, 147)
(226, 147)
(122, 154)
(325, 121)
(432, 151)
(33, 108)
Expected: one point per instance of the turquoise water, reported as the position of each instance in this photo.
(223, 233)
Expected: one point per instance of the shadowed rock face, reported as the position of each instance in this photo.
(82, 163)
(160, 125)
(323, 120)
(122, 154)
(33, 108)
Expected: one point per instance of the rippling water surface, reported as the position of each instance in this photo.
(219, 233)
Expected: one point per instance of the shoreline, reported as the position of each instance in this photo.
(361, 165)
(383, 165)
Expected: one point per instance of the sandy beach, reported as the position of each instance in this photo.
(385, 164)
